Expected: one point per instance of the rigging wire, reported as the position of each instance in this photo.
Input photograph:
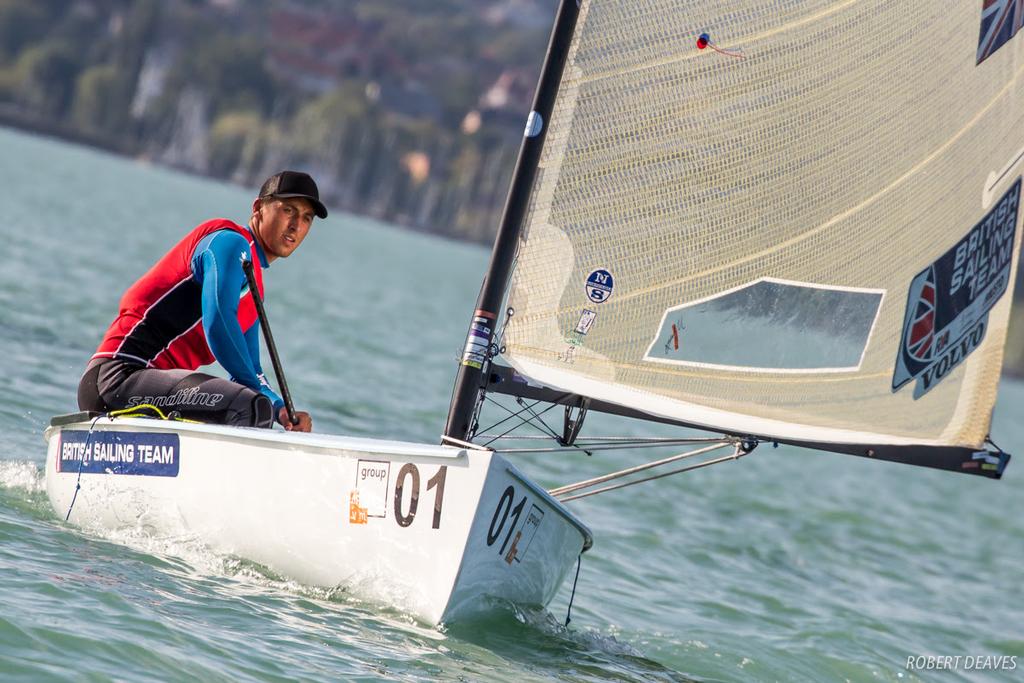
(736, 455)
(588, 444)
(519, 400)
(651, 440)
(503, 421)
(587, 483)
(601, 446)
(551, 432)
(522, 421)
(548, 432)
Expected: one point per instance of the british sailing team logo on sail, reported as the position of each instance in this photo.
(948, 302)
(921, 337)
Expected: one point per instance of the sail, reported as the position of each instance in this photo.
(796, 219)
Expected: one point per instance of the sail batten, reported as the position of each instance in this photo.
(801, 235)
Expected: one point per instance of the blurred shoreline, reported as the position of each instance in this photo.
(405, 113)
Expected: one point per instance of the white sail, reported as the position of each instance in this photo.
(794, 219)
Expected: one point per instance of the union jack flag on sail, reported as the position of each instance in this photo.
(1000, 21)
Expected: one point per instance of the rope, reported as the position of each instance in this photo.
(988, 440)
(134, 411)
(572, 596)
(81, 464)
(139, 411)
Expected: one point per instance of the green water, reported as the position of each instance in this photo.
(788, 565)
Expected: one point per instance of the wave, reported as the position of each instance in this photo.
(20, 475)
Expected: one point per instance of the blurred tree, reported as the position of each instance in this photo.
(141, 24)
(83, 25)
(9, 83)
(327, 119)
(231, 72)
(517, 47)
(101, 96)
(458, 95)
(77, 64)
(232, 134)
(22, 23)
(46, 77)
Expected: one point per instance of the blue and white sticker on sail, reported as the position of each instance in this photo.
(599, 286)
(948, 302)
(133, 453)
(534, 124)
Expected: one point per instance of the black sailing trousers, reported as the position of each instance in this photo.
(112, 384)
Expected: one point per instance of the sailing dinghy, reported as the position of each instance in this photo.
(788, 222)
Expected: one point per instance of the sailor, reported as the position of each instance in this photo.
(194, 307)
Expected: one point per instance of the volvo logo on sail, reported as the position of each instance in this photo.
(949, 301)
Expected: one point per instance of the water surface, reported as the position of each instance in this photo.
(788, 565)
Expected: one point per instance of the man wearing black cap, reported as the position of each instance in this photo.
(194, 307)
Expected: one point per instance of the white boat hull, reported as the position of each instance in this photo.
(435, 530)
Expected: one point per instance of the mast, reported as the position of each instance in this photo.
(469, 382)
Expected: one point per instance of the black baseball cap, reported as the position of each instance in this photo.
(294, 184)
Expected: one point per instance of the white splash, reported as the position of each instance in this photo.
(23, 475)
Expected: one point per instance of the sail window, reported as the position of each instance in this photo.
(771, 325)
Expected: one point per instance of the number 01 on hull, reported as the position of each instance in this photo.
(437, 531)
